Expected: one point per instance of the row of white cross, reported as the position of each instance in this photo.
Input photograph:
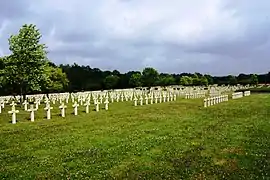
(48, 109)
(83, 99)
(246, 93)
(218, 99)
(237, 95)
(194, 95)
(215, 100)
(62, 107)
(128, 93)
(159, 98)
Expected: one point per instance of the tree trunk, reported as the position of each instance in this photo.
(22, 93)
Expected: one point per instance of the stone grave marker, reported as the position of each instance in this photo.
(32, 112)
(75, 106)
(48, 109)
(13, 112)
(62, 107)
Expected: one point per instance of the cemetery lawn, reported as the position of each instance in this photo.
(171, 140)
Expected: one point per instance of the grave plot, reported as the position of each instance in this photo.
(55, 105)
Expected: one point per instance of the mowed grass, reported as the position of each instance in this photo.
(171, 140)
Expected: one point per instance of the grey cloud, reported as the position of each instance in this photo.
(13, 10)
(81, 35)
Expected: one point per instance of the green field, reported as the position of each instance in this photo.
(171, 140)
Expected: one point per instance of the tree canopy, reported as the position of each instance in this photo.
(27, 69)
(149, 76)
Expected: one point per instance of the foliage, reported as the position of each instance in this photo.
(232, 80)
(56, 80)
(111, 81)
(24, 68)
(166, 80)
(135, 80)
(254, 79)
(196, 80)
(149, 76)
(204, 81)
(209, 79)
(186, 81)
(27, 69)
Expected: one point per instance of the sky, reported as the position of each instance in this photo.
(216, 37)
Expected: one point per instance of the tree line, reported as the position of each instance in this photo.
(28, 70)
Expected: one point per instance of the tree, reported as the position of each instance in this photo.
(254, 79)
(135, 80)
(166, 80)
(209, 79)
(116, 73)
(149, 76)
(111, 81)
(232, 80)
(204, 81)
(24, 68)
(196, 80)
(56, 80)
(186, 81)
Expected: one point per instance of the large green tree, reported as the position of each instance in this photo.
(149, 76)
(135, 80)
(166, 80)
(254, 79)
(24, 68)
(186, 81)
(111, 81)
(209, 79)
(204, 81)
(56, 80)
(232, 80)
(196, 79)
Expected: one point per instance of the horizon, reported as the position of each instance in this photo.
(215, 37)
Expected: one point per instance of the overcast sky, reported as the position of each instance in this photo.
(208, 36)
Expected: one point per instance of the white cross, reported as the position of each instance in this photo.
(2, 104)
(205, 102)
(106, 104)
(81, 101)
(87, 104)
(151, 99)
(25, 103)
(164, 98)
(32, 112)
(141, 100)
(48, 109)
(97, 106)
(47, 101)
(67, 100)
(135, 101)
(75, 105)
(174, 97)
(62, 107)
(13, 104)
(146, 100)
(101, 99)
(37, 103)
(13, 112)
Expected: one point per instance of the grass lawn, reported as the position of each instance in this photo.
(171, 140)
